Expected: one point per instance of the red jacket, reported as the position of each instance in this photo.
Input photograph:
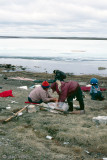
(67, 88)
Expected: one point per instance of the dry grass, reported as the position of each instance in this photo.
(75, 137)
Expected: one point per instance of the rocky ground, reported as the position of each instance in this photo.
(74, 137)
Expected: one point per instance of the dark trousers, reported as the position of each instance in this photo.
(30, 100)
(97, 96)
(78, 94)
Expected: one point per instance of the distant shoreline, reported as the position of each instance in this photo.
(50, 58)
(74, 38)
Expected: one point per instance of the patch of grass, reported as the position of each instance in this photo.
(25, 136)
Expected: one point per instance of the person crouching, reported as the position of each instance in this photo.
(41, 94)
(95, 91)
(69, 90)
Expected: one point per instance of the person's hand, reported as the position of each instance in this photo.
(55, 100)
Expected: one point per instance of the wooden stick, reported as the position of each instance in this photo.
(15, 114)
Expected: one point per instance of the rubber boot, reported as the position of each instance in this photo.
(70, 106)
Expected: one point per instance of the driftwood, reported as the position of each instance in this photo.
(15, 114)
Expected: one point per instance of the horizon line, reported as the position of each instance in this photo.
(36, 37)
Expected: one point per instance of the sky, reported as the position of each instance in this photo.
(53, 18)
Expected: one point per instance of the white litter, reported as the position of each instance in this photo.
(104, 158)
(87, 151)
(23, 87)
(8, 107)
(49, 137)
(31, 108)
(14, 102)
(100, 119)
(60, 105)
(66, 142)
(20, 114)
(53, 111)
(88, 85)
(37, 85)
(35, 130)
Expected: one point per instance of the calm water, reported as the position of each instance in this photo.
(74, 56)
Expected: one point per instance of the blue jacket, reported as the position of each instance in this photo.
(94, 89)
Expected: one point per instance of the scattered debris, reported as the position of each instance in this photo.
(8, 107)
(66, 143)
(14, 102)
(49, 137)
(35, 86)
(87, 151)
(88, 85)
(31, 108)
(53, 111)
(20, 114)
(6, 93)
(21, 78)
(15, 114)
(32, 86)
(100, 119)
(60, 106)
(23, 87)
(35, 130)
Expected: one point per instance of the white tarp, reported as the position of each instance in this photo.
(59, 105)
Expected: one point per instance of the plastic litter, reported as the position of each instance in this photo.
(20, 114)
(60, 105)
(66, 142)
(37, 85)
(23, 87)
(87, 151)
(49, 137)
(31, 108)
(14, 102)
(8, 107)
(100, 119)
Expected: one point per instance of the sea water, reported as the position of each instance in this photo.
(45, 55)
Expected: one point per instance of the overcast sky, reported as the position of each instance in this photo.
(86, 18)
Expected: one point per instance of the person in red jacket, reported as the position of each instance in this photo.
(69, 90)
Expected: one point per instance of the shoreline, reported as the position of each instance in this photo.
(74, 68)
(9, 72)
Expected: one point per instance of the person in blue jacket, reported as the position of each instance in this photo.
(95, 92)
